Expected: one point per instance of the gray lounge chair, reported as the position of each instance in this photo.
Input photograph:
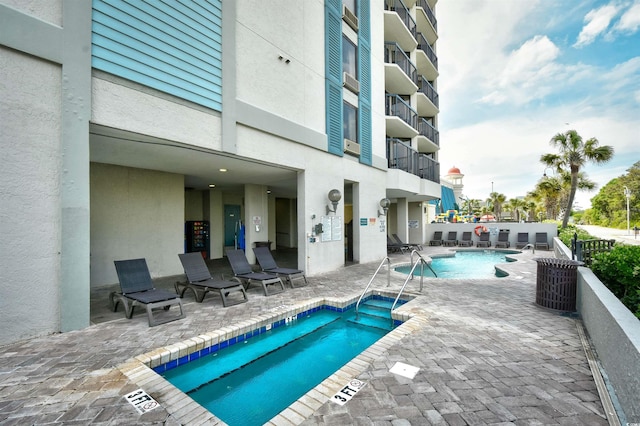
(199, 281)
(466, 240)
(484, 240)
(137, 290)
(503, 239)
(412, 246)
(394, 247)
(523, 240)
(269, 265)
(244, 274)
(437, 239)
(452, 239)
(541, 240)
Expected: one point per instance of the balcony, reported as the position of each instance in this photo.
(399, 72)
(399, 26)
(402, 157)
(426, 21)
(426, 58)
(428, 99)
(400, 117)
(428, 138)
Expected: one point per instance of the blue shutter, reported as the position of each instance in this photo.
(333, 75)
(364, 68)
(174, 47)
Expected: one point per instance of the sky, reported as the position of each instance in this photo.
(514, 73)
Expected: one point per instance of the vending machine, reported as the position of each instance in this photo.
(197, 237)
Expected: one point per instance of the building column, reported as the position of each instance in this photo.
(403, 219)
(256, 217)
(74, 180)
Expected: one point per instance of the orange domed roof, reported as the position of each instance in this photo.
(454, 171)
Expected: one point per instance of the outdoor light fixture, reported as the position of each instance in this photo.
(334, 196)
(384, 203)
(627, 193)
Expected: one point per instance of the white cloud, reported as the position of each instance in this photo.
(525, 73)
(630, 20)
(597, 21)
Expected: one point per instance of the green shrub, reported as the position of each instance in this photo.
(566, 234)
(619, 270)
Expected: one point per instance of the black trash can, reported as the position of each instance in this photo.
(556, 283)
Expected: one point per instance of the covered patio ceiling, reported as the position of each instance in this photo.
(200, 166)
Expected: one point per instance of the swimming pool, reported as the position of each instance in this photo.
(465, 264)
(256, 377)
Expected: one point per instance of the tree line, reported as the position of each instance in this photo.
(553, 195)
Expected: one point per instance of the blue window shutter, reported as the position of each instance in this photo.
(333, 75)
(174, 47)
(364, 67)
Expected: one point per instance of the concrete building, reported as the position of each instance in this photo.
(122, 121)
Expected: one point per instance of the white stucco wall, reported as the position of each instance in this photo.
(45, 10)
(135, 213)
(148, 112)
(30, 142)
(294, 90)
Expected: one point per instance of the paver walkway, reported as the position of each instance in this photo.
(488, 355)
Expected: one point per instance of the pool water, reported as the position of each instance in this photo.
(250, 382)
(465, 264)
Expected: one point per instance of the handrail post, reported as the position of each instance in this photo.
(386, 259)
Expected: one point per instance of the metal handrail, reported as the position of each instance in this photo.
(386, 259)
(422, 262)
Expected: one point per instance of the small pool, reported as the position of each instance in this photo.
(252, 380)
(465, 264)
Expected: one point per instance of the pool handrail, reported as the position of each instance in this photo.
(422, 262)
(425, 263)
(386, 259)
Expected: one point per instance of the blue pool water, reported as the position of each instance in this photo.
(250, 382)
(465, 264)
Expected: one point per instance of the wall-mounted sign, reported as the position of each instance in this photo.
(332, 228)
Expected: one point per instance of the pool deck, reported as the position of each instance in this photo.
(486, 353)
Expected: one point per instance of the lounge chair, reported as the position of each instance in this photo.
(484, 240)
(503, 239)
(137, 289)
(412, 246)
(466, 240)
(244, 274)
(199, 280)
(523, 240)
(437, 239)
(269, 265)
(541, 240)
(452, 239)
(394, 247)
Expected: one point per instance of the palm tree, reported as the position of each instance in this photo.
(573, 154)
(496, 199)
(516, 205)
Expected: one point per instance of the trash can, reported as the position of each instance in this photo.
(556, 283)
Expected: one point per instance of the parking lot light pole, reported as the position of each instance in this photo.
(627, 193)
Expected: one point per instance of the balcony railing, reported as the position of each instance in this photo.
(425, 87)
(398, 107)
(424, 45)
(401, 156)
(402, 11)
(393, 54)
(426, 129)
(430, 15)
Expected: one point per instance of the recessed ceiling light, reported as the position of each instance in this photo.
(223, 170)
(212, 185)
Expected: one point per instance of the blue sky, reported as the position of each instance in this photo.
(514, 73)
